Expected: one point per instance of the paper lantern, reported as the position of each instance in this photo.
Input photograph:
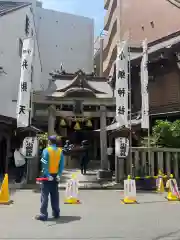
(62, 123)
(77, 126)
(89, 123)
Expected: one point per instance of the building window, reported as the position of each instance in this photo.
(32, 33)
(27, 26)
(20, 47)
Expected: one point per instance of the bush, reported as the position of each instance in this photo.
(43, 140)
(164, 134)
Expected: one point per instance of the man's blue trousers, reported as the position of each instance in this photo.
(49, 188)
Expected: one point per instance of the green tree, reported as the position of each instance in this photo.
(43, 140)
(166, 134)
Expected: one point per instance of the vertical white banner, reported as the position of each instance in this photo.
(121, 89)
(24, 94)
(144, 87)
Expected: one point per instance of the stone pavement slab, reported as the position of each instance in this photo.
(100, 216)
(91, 175)
(88, 181)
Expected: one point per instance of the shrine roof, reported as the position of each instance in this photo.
(9, 6)
(80, 82)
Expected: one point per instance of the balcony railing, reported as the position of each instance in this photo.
(112, 31)
(110, 58)
(106, 4)
(111, 11)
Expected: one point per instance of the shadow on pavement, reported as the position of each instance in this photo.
(150, 202)
(91, 174)
(142, 192)
(168, 235)
(64, 219)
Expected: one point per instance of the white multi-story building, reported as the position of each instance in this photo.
(61, 38)
(16, 23)
(64, 38)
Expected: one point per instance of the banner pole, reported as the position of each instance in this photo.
(130, 111)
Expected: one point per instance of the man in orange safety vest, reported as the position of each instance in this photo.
(52, 167)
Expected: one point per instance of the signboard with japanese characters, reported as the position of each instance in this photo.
(30, 147)
(122, 147)
(121, 89)
(24, 94)
(144, 87)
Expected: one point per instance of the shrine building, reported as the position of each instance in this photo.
(73, 106)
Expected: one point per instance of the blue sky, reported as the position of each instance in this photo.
(88, 8)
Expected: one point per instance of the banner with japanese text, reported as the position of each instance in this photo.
(24, 94)
(121, 147)
(144, 87)
(121, 89)
(30, 147)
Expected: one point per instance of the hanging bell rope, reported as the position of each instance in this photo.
(89, 123)
(77, 126)
(62, 123)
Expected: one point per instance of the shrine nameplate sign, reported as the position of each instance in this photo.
(30, 147)
(122, 147)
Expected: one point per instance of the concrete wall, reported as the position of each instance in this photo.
(64, 38)
(12, 28)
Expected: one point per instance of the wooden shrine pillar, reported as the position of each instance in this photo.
(51, 120)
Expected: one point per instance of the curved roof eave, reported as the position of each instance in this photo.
(71, 90)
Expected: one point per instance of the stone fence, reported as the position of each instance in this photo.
(148, 161)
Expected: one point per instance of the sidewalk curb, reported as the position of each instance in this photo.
(36, 187)
(83, 186)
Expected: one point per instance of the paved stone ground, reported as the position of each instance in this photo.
(100, 216)
(88, 181)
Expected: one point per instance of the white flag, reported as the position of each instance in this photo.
(121, 90)
(24, 94)
(144, 87)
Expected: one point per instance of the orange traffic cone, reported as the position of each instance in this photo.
(4, 192)
(160, 184)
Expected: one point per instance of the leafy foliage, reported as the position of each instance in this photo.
(43, 140)
(165, 134)
(152, 141)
